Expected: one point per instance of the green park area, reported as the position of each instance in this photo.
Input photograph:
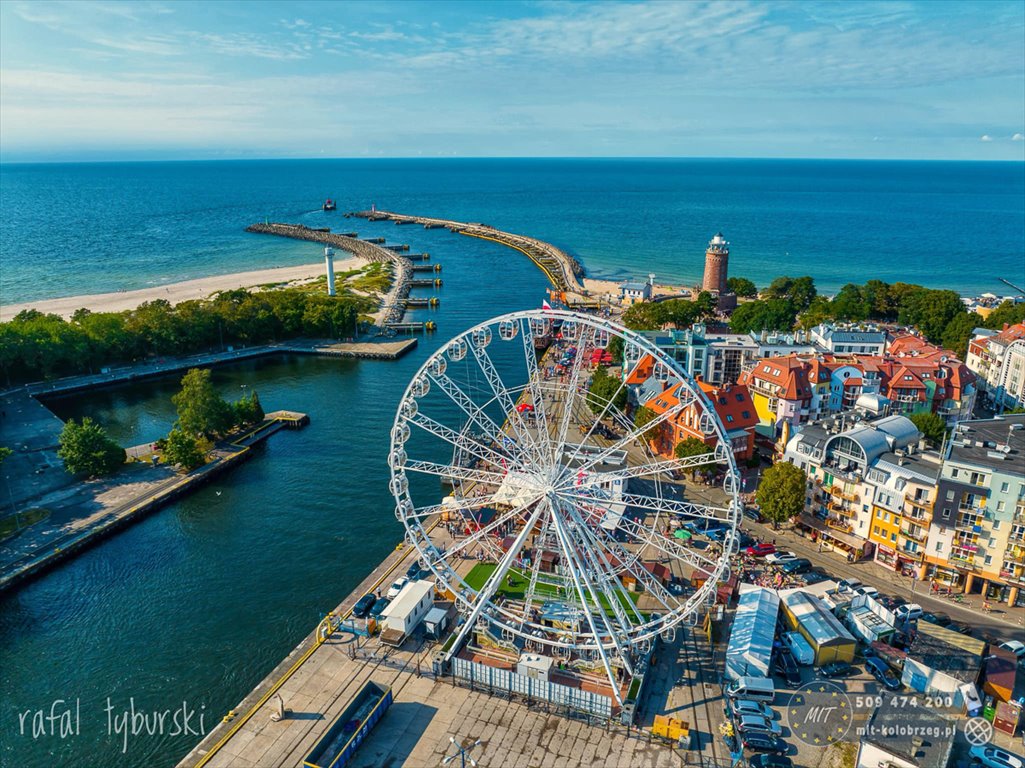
(514, 586)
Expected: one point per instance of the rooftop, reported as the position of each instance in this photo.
(946, 651)
(917, 735)
(997, 443)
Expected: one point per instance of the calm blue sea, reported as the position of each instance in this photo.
(70, 229)
(198, 602)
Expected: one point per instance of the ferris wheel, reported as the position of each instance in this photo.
(530, 492)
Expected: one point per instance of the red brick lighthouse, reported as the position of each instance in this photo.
(717, 259)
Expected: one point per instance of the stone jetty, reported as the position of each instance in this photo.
(394, 300)
(562, 270)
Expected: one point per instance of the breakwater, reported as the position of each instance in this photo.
(562, 270)
(394, 300)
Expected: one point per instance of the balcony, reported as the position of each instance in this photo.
(837, 490)
(916, 514)
(841, 510)
(918, 536)
(920, 503)
(915, 554)
(969, 525)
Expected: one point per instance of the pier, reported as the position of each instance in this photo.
(424, 327)
(432, 282)
(418, 256)
(427, 267)
(417, 302)
(365, 249)
(561, 269)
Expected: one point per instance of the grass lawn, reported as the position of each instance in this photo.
(515, 583)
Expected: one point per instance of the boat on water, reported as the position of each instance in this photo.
(329, 205)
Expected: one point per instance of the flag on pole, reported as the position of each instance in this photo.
(545, 304)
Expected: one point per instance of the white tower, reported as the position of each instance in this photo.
(329, 266)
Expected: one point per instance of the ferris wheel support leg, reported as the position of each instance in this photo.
(577, 572)
(489, 588)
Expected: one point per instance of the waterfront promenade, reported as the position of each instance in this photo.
(561, 269)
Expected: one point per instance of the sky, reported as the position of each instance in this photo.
(106, 80)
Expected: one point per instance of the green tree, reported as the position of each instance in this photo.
(931, 425)
(930, 311)
(780, 495)
(182, 449)
(1008, 312)
(603, 389)
(799, 291)
(763, 315)
(644, 416)
(201, 411)
(742, 287)
(819, 311)
(850, 304)
(86, 449)
(958, 332)
(248, 409)
(693, 447)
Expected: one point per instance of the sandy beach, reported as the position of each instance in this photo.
(176, 292)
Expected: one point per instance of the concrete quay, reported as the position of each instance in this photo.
(35, 551)
(320, 676)
(559, 267)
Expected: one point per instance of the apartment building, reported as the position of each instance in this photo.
(997, 358)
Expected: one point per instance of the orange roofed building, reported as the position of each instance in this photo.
(733, 405)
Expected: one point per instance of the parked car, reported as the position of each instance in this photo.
(937, 618)
(362, 607)
(993, 757)
(413, 570)
(1016, 647)
(786, 666)
(379, 605)
(848, 585)
(769, 760)
(891, 602)
(738, 707)
(792, 567)
(908, 612)
(760, 550)
(778, 558)
(717, 534)
(752, 514)
(745, 540)
(395, 588)
(882, 672)
(866, 590)
(757, 741)
(753, 723)
(815, 577)
(837, 669)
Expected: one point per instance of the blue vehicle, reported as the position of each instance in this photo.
(337, 746)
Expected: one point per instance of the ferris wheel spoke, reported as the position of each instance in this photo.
(579, 576)
(513, 417)
(534, 381)
(461, 440)
(487, 591)
(636, 432)
(597, 419)
(455, 473)
(422, 513)
(466, 543)
(468, 406)
(612, 585)
(655, 469)
(570, 398)
(667, 546)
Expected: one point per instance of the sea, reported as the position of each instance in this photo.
(191, 607)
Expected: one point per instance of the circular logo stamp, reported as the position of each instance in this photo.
(978, 731)
(819, 713)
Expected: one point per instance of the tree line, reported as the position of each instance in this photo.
(789, 303)
(34, 345)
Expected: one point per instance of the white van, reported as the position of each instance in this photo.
(908, 612)
(802, 650)
(752, 688)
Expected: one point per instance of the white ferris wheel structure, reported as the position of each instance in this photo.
(560, 505)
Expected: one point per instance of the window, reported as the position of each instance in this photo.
(740, 399)
(893, 537)
(953, 472)
(729, 418)
(939, 546)
(746, 414)
(996, 524)
(950, 495)
(946, 513)
(1000, 506)
(875, 530)
(989, 559)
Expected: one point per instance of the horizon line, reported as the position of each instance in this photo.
(471, 158)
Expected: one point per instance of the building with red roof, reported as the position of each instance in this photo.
(997, 358)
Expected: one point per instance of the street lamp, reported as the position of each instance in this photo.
(463, 754)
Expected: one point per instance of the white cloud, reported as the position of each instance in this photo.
(1018, 137)
(985, 137)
